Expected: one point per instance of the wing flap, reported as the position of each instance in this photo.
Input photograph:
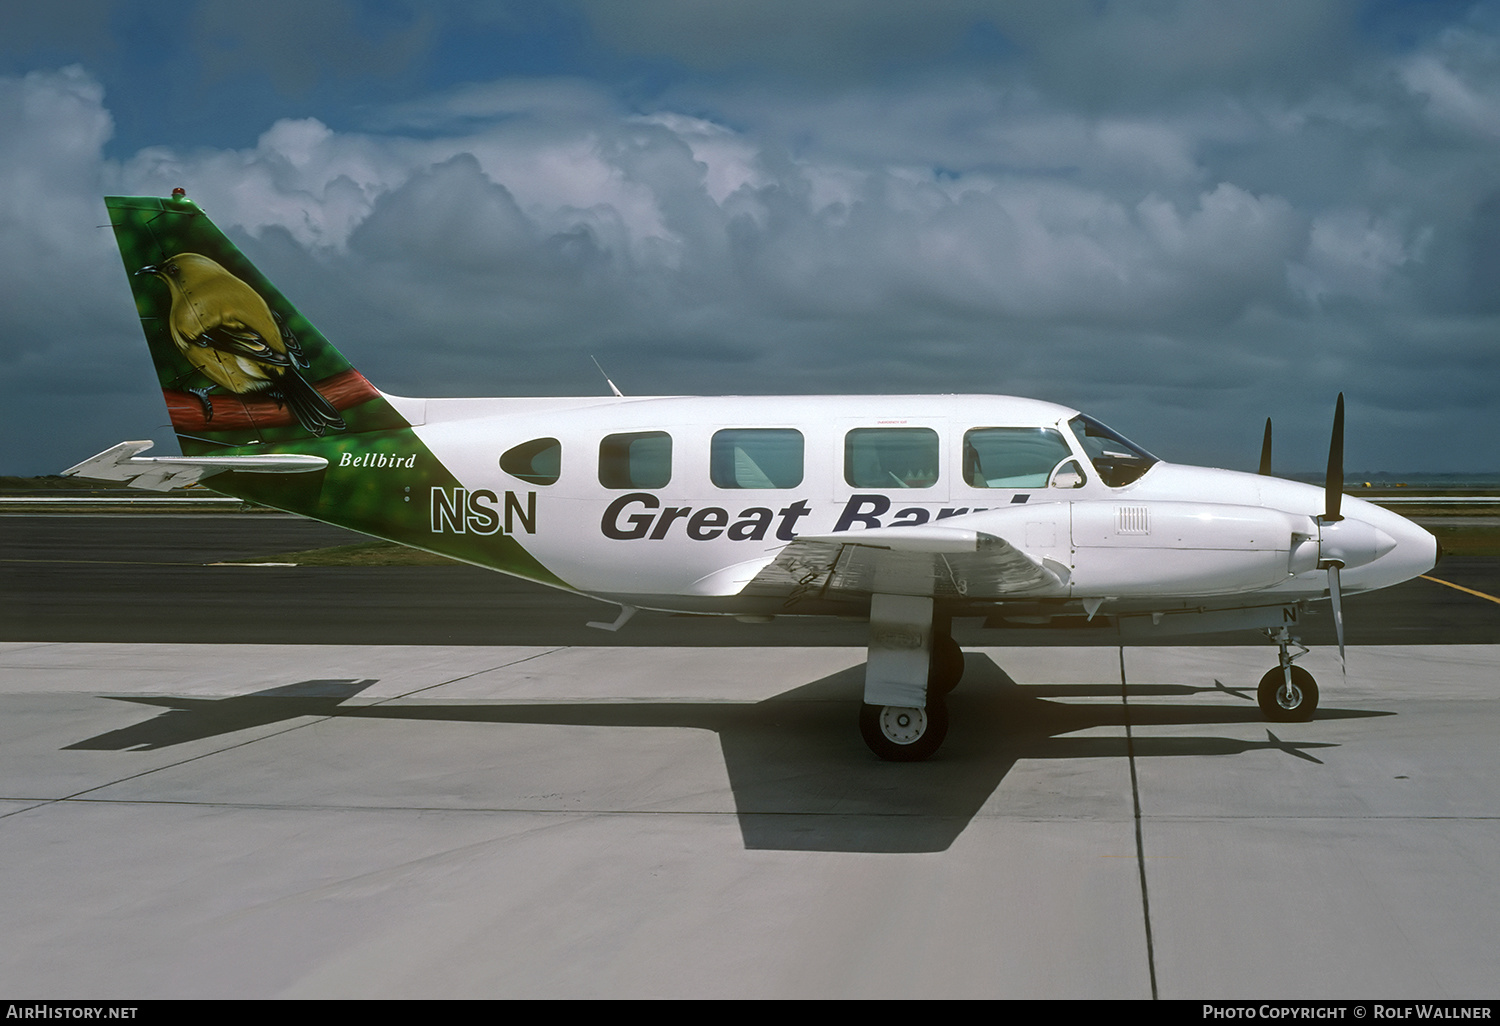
(938, 561)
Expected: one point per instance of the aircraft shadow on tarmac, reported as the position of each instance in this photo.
(801, 777)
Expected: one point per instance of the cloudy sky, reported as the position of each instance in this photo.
(1180, 216)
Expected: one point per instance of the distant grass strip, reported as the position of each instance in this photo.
(1460, 539)
(375, 553)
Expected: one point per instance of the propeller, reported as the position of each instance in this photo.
(1333, 488)
(1333, 496)
(1340, 543)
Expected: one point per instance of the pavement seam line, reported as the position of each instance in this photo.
(466, 676)
(1140, 841)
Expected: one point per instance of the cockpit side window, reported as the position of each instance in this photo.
(1012, 457)
(1118, 460)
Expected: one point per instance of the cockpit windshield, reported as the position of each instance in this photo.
(1118, 460)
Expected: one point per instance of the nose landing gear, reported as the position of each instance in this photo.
(1287, 693)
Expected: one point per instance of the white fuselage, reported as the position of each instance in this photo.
(1174, 537)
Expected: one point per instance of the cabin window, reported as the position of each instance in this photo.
(1012, 457)
(756, 458)
(640, 459)
(891, 458)
(537, 462)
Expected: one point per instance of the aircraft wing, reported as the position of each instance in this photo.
(940, 561)
(161, 473)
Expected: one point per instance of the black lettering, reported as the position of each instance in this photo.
(668, 515)
(754, 528)
(854, 511)
(707, 523)
(483, 519)
(447, 514)
(946, 512)
(528, 518)
(911, 517)
(640, 522)
(789, 517)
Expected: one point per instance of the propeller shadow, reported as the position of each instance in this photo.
(801, 777)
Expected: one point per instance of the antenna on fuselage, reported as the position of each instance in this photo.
(608, 382)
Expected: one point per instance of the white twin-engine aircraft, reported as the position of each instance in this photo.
(910, 510)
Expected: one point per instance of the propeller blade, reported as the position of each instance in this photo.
(1265, 451)
(1338, 612)
(1333, 487)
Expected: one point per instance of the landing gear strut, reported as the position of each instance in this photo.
(911, 665)
(1287, 693)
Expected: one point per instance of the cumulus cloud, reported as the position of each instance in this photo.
(1167, 263)
(1459, 78)
(68, 368)
(54, 127)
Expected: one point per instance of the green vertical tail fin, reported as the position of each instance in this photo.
(238, 364)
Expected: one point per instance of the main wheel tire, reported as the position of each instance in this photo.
(946, 667)
(901, 734)
(1299, 707)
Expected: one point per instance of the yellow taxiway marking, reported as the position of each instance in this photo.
(1460, 587)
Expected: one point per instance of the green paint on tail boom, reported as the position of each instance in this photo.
(386, 502)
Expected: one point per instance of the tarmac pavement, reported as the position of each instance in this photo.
(251, 820)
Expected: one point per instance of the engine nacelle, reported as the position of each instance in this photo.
(1182, 548)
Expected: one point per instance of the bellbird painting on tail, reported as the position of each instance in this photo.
(228, 333)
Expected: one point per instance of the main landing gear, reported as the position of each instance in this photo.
(1287, 693)
(913, 664)
(904, 733)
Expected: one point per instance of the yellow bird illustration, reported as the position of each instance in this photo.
(225, 330)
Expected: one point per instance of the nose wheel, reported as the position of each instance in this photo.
(1288, 703)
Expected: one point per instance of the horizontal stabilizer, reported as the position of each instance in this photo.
(162, 473)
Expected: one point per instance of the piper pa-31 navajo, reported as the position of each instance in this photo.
(909, 510)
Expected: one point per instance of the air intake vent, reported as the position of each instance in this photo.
(1132, 520)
